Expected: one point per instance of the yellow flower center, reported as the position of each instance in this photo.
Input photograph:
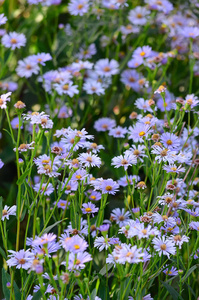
(163, 247)
(107, 69)
(80, 6)
(88, 209)
(142, 53)
(76, 247)
(108, 188)
(169, 142)
(142, 133)
(13, 41)
(65, 87)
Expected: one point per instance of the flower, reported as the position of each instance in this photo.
(77, 261)
(173, 169)
(3, 19)
(90, 160)
(104, 124)
(179, 240)
(93, 87)
(66, 88)
(3, 100)
(190, 32)
(171, 271)
(77, 244)
(48, 190)
(142, 52)
(164, 246)
(78, 7)
(170, 141)
(194, 225)
(1, 164)
(27, 67)
(8, 211)
(41, 58)
(104, 242)
(79, 175)
(108, 186)
(89, 208)
(143, 105)
(44, 239)
(106, 68)
(25, 147)
(160, 90)
(138, 132)
(63, 204)
(124, 161)
(139, 15)
(191, 101)
(120, 216)
(21, 259)
(14, 40)
(118, 132)
(130, 77)
(164, 154)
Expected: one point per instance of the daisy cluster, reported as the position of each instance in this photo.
(101, 154)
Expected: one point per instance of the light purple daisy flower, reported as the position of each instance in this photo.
(138, 132)
(120, 216)
(1, 164)
(77, 261)
(26, 68)
(170, 141)
(109, 186)
(49, 190)
(63, 204)
(78, 7)
(118, 132)
(173, 169)
(104, 124)
(3, 19)
(90, 160)
(93, 87)
(171, 271)
(164, 246)
(106, 68)
(14, 40)
(124, 161)
(130, 78)
(190, 32)
(3, 100)
(89, 208)
(139, 15)
(21, 259)
(142, 52)
(8, 211)
(66, 88)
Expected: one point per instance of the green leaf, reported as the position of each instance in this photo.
(37, 296)
(189, 272)
(1, 207)
(3, 253)
(6, 291)
(23, 176)
(175, 295)
(93, 294)
(103, 270)
(51, 226)
(190, 288)
(5, 279)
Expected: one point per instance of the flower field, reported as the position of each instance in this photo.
(99, 150)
